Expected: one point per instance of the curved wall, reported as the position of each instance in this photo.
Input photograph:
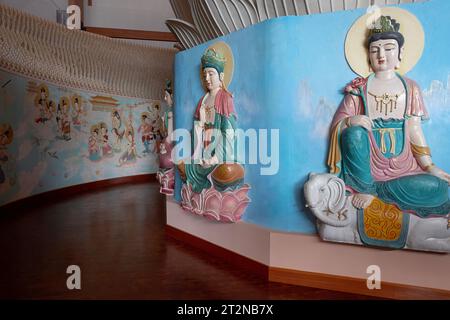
(41, 158)
(289, 74)
(49, 149)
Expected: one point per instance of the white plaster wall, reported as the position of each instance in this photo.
(123, 14)
(42, 8)
(130, 14)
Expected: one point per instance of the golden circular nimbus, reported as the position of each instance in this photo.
(356, 51)
(225, 50)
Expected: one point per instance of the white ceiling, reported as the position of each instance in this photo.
(43, 8)
(123, 14)
(129, 14)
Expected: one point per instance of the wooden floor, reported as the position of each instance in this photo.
(116, 235)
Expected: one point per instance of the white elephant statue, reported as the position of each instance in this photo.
(337, 218)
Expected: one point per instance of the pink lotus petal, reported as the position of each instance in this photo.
(212, 215)
(239, 210)
(229, 202)
(213, 202)
(228, 206)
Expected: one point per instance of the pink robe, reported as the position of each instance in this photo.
(382, 168)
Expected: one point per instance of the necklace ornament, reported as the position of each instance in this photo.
(386, 101)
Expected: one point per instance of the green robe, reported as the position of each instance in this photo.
(224, 149)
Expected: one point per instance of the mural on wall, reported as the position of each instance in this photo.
(213, 179)
(166, 172)
(384, 188)
(52, 137)
(6, 160)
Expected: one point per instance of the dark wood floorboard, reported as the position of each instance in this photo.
(116, 235)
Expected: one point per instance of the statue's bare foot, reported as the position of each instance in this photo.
(182, 171)
(362, 201)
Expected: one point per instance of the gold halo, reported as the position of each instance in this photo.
(224, 49)
(410, 28)
(147, 114)
(80, 100)
(114, 111)
(65, 100)
(43, 86)
(93, 127)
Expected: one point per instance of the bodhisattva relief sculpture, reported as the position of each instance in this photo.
(213, 180)
(383, 188)
(165, 174)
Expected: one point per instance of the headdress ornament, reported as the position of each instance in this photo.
(213, 59)
(168, 86)
(384, 24)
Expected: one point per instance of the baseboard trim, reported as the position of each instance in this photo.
(310, 279)
(79, 189)
(231, 257)
(354, 285)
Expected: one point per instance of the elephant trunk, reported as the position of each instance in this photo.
(330, 218)
(331, 200)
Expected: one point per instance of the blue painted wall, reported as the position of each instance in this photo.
(288, 75)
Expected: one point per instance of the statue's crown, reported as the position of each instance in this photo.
(213, 59)
(384, 24)
(168, 85)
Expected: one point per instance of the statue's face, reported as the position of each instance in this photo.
(384, 55)
(212, 78)
(168, 98)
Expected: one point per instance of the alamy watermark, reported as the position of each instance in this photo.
(74, 280)
(73, 20)
(228, 146)
(374, 280)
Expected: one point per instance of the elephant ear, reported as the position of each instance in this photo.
(337, 194)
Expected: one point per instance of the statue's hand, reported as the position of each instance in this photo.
(206, 163)
(362, 121)
(438, 172)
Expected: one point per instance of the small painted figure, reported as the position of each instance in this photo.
(118, 135)
(168, 114)
(59, 119)
(41, 107)
(50, 110)
(165, 174)
(130, 155)
(94, 148)
(106, 147)
(77, 111)
(146, 130)
(65, 129)
(41, 102)
(6, 137)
